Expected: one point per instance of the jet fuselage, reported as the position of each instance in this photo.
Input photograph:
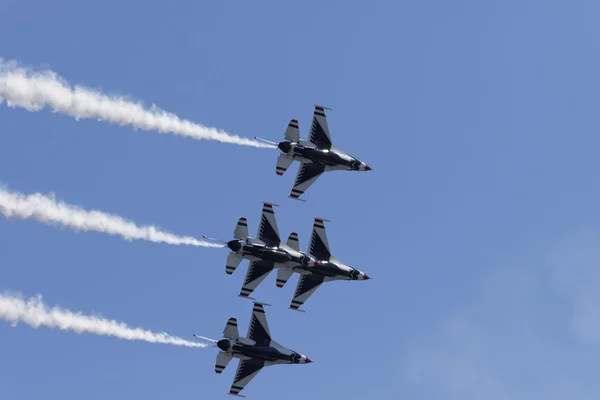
(335, 270)
(332, 159)
(275, 354)
(282, 254)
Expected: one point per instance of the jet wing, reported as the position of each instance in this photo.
(308, 173)
(258, 330)
(319, 245)
(257, 272)
(246, 371)
(319, 130)
(268, 231)
(307, 285)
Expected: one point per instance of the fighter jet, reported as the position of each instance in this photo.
(327, 268)
(255, 351)
(316, 156)
(265, 252)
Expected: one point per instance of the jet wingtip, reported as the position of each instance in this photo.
(261, 303)
(296, 197)
(270, 205)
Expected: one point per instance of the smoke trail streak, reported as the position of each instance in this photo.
(21, 87)
(48, 210)
(35, 313)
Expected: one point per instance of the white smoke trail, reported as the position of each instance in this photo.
(21, 87)
(48, 210)
(35, 313)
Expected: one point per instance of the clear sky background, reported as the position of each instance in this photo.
(480, 224)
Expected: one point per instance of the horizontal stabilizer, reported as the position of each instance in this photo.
(293, 241)
(222, 361)
(241, 230)
(283, 274)
(233, 260)
(231, 329)
(283, 163)
(292, 133)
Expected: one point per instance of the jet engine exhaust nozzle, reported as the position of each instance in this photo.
(234, 245)
(286, 147)
(224, 344)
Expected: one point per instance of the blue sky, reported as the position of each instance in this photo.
(480, 225)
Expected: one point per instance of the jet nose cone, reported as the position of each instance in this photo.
(308, 360)
(234, 245)
(367, 168)
(366, 277)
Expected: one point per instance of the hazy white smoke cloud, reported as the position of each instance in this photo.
(35, 313)
(34, 90)
(48, 210)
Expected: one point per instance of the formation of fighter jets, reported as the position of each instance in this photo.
(266, 252)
